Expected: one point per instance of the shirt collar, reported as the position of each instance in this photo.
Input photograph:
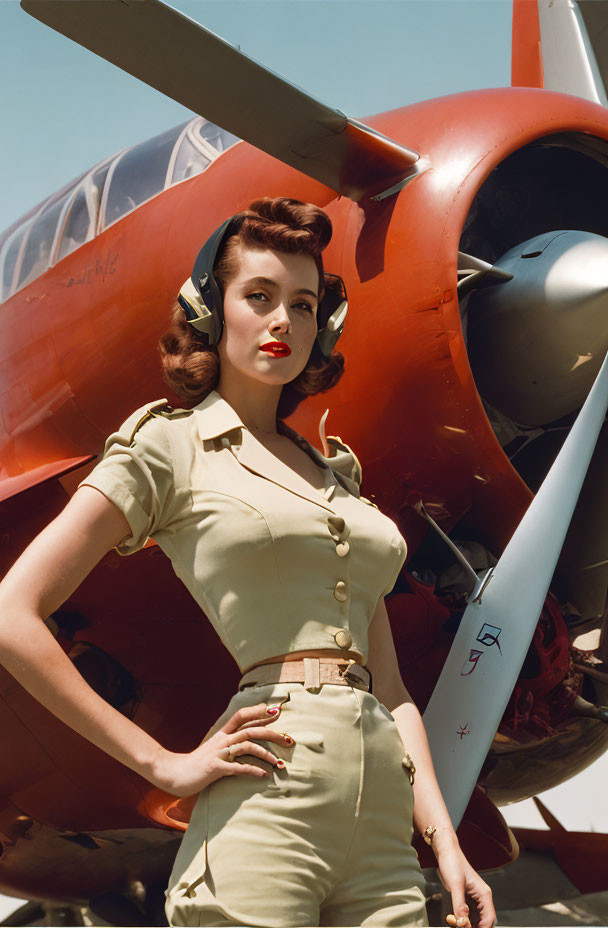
(216, 417)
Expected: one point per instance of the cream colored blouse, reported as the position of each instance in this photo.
(276, 565)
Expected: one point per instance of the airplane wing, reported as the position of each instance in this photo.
(561, 45)
(12, 486)
(580, 854)
(174, 54)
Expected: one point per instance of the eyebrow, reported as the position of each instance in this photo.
(272, 283)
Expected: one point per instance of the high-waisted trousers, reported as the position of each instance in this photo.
(325, 841)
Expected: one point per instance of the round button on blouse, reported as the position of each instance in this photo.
(340, 591)
(343, 638)
(342, 548)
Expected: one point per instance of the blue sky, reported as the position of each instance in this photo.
(63, 109)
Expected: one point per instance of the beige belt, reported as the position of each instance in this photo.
(313, 672)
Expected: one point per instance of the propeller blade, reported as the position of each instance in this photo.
(174, 54)
(496, 629)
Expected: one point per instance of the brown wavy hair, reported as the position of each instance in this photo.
(191, 367)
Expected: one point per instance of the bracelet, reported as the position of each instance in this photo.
(428, 833)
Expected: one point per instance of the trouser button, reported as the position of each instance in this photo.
(343, 638)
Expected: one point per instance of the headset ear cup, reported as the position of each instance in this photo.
(331, 332)
(212, 298)
(331, 314)
(200, 297)
(196, 311)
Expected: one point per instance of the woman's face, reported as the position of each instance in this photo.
(270, 315)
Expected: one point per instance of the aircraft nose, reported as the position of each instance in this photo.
(536, 342)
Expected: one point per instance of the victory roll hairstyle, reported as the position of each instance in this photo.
(190, 366)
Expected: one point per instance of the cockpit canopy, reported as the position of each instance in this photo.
(102, 196)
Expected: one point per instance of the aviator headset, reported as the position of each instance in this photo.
(202, 301)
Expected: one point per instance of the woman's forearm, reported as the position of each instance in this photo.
(429, 807)
(36, 660)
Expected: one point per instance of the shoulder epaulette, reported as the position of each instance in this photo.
(160, 408)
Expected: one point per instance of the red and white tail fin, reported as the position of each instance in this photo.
(526, 47)
(561, 45)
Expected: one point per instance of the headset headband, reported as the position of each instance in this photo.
(203, 304)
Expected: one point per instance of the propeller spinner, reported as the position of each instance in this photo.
(536, 342)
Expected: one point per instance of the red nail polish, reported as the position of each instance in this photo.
(288, 740)
(280, 764)
(272, 710)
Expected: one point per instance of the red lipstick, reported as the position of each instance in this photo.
(276, 349)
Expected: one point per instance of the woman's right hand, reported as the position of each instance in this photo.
(186, 774)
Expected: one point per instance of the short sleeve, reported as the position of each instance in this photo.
(136, 474)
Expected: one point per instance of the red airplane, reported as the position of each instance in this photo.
(581, 855)
(471, 232)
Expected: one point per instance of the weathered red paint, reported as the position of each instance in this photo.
(526, 47)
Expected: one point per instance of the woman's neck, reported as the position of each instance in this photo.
(256, 403)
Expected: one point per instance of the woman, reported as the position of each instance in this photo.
(304, 813)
